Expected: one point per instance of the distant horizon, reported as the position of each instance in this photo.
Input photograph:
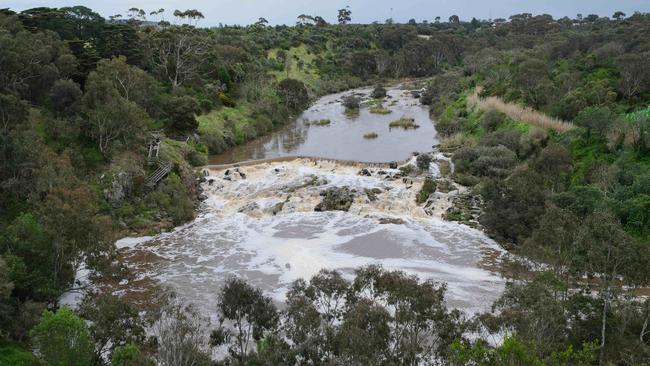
(245, 12)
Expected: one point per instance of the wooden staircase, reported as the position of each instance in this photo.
(164, 167)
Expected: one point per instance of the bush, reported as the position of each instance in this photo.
(226, 100)
(196, 158)
(379, 92)
(423, 161)
(351, 102)
(492, 119)
(507, 138)
(294, 94)
(496, 161)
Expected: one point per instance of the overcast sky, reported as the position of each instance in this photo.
(363, 11)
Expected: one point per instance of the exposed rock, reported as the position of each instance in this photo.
(445, 185)
(278, 208)
(364, 172)
(242, 175)
(466, 208)
(335, 199)
(391, 220)
(249, 207)
(372, 193)
(392, 165)
(120, 187)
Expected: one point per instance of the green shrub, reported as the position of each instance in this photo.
(491, 119)
(15, 355)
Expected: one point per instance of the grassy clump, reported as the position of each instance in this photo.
(351, 112)
(379, 110)
(371, 135)
(428, 187)
(319, 122)
(405, 123)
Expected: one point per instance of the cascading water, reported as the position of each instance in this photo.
(258, 222)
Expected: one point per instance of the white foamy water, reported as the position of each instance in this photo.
(236, 234)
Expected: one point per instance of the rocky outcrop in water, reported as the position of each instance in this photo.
(466, 208)
(335, 199)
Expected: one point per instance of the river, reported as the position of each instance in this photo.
(258, 221)
(343, 138)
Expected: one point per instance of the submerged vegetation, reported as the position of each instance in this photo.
(556, 144)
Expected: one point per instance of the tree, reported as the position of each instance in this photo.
(314, 310)
(6, 287)
(65, 96)
(610, 256)
(407, 320)
(115, 120)
(130, 355)
(30, 60)
(619, 15)
(178, 53)
(13, 112)
(251, 315)
(180, 334)
(345, 15)
(132, 83)
(304, 19)
(320, 21)
(63, 339)
(76, 231)
(513, 207)
(635, 75)
(532, 79)
(262, 22)
(114, 322)
(294, 93)
(181, 113)
(454, 19)
(596, 120)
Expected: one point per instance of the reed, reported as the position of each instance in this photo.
(518, 113)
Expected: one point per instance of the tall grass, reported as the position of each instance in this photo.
(518, 113)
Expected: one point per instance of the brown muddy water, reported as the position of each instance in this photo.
(343, 138)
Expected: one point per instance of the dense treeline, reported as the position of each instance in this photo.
(82, 96)
(574, 201)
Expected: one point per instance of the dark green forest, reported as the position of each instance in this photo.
(82, 97)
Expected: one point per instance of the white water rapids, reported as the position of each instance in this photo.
(261, 225)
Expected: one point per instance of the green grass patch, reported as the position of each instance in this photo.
(299, 65)
(371, 135)
(405, 123)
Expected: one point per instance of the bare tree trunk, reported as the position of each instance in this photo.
(603, 329)
(644, 328)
